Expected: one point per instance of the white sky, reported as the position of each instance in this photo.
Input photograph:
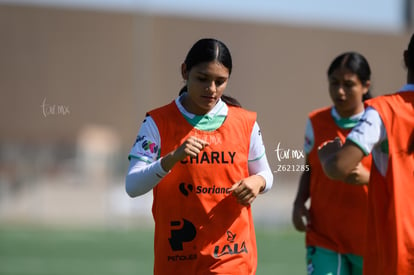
(364, 15)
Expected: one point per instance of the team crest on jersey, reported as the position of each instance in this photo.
(148, 145)
(145, 147)
(139, 139)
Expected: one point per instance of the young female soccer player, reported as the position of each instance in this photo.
(204, 158)
(387, 130)
(336, 219)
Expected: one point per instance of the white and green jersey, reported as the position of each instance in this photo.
(370, 135)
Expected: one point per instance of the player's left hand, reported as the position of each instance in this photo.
(327, 149)
(247, 189)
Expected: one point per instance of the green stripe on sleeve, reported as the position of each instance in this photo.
(250, 160)
(359, 145)
(140, 158)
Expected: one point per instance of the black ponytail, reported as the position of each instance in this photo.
(367, 96)
(183, 90)
(230, 101)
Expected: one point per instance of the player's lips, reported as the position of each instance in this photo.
(209, 98)
(340, 100)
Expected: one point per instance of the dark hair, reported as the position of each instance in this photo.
(409, 60)
(207, 50)
(357, 64)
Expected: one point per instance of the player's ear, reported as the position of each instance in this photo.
(367, 84)
(184, 71)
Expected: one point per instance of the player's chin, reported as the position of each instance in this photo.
(209, 101)
(208, 106)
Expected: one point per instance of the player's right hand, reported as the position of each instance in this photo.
(191, 147)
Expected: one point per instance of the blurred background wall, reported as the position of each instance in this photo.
(76, 82)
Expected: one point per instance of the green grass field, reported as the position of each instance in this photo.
(117, 252)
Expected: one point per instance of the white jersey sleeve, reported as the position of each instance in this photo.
(369, 132)
(145, 170)
(148, 143)
(257, 149)
(370, 135)
(258, 164)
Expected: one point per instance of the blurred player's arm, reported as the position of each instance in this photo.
(339, 162)
(300, 211)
